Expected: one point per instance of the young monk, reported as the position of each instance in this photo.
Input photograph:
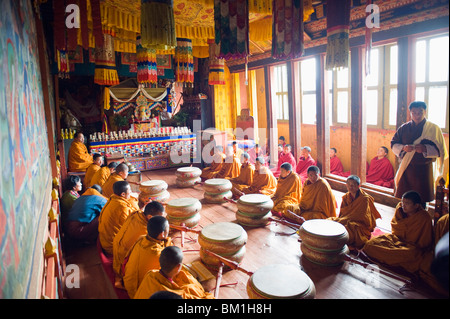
(134, 227)
(381, 171)
(171, 277)
(245, 177)
(289, 189)
(103, 173)
(120, 174)
(92, 169)
(317, 199)
(263, 181)
(336, 166)
(144, 255)
(304, 162)
(216, 164)
(113, 215)
(285, 157)
(231, 166)
(79, 158)
(357, 213)
(411, 237)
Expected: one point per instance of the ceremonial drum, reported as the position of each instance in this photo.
(225, 239)
(216, 189)
(324, 242)
(187, 176)
(154, 190)
(184, 211)
(279, 281)
(254, 210)
(134, 178)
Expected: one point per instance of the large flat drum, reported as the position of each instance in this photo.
(183, 207)
(188, 172)
(256, 204)
(280, 281)
(217, 185)
(153, 187)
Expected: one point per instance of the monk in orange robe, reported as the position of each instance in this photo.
(263, 180)
(245, 177)
(441, 228)
(171, 277)
(381, 171)
(113, 215)
(231, 166)
(358, 213)
(285, 157)
(317, 199)
(134, 227)
(216, 164)
(145, 253)
(304, 162)
(79, 158)
(336, 166)
(92, 169)
(411, 239)
(101, 176)
(120, 174)
(289, 189)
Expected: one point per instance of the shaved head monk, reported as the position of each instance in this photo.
(245, 177)
(263, 180)
(216, 164)
(336, 166)
(113, 215)
(285, 157)
(304, 162)
(101, 176)
(120, 174)
(92, 169)
(78, 158)
(231, 166)
(289, 189)
(381, 171)
(357, 213)
(172, 277)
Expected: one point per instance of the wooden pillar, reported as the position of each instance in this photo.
(293, 76)
(358, 114)
(322, 116)
(272, 120)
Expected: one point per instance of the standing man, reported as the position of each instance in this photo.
(418, 143)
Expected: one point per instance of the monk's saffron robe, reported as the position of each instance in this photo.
(112, 217)
(101, 176)
(91, 170)
(244, 179)
(263, 183)
(231, 167)
(215, 167)
(441, 228)
(285, 158)
(183, 284)
(288, 193)
(134, 227)
(78, 158)
(142, 257)
(407, 245)
(380, 172)
(107, 188)
(317, 201)
(336, 166)
(359, 216)
(302, 167)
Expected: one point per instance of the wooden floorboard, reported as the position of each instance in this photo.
(273, 244)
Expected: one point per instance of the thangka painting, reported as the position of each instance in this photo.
(24, 160)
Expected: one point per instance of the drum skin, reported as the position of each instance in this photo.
(251, 220)
(190, 221)
(223, 238)
(183, 207)
(216, 198)
(256, 204)
(217, 185)
(324, 257)
(153, 187)
(290, 283)
(162, 197)
(188, 172)
(323, 234)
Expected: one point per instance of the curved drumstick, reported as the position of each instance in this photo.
(232, 264)
(218, 280)
(285, 222)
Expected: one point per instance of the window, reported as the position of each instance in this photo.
(431, 78)
(280, 97)
(339, 96)
(308, 90)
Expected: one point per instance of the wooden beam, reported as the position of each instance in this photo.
(272, 119)
(293, 75)
(358, 114)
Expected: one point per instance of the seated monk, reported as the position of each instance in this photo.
(78, 158)
(134, 227)
(120, 174)
(245, 177)
(285, 157)
(317, 200)
(92, 169)
(82, 220)
(411, 239)
(216, 164)
(172, 277)
(144, 254)
(231, 166)
(380, 170)
(236, 150)
(255, 152)
(103, 173)
(304, 162)
(336, 167)
(289, 189)
(263, 180)
(358, 213)
(114, 214)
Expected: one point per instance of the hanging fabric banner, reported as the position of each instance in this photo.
(146, 65)
(287, 29)
(231, 26)
(338, 27)
(105, 63)
(216, 71)
(184, 61)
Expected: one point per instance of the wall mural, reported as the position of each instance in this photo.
(24, 160)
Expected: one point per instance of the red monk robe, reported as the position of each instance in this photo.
(302, 166)
(381, 172)
(285, 158)
(336, 166)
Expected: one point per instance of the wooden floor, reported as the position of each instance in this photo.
(273, 244)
